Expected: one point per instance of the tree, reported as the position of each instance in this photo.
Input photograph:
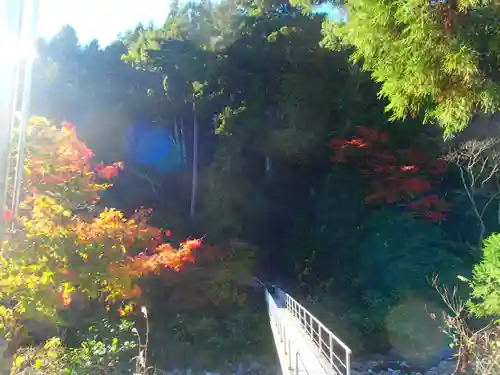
(55, 255)
(478, 163)
(432, 57)
(401, 177)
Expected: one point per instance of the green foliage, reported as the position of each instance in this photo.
(485, 282)
(336, 213)
(49, 358)
(267, 98)
(398, 254)
(104, 349)
(395, 258)
(215, 336)
(431, 57)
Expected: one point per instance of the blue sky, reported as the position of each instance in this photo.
(334, 13)
(98, 19)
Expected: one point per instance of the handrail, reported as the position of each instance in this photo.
(321, 337)
(297, 357)
(274, 317)
(324, 339)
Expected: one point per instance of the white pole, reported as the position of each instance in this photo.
(25, 109)
(12, 19)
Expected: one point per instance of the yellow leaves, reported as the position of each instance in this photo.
(46, 277)
(109, 215)
(3, 261)
(65, 294)
(53, 343)
(56, 249)
(127, 309)
(45, 358)
(19, 361)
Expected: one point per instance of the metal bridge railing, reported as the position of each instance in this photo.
(276, 319)
(330, 346)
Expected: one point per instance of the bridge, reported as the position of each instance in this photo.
(304, 345)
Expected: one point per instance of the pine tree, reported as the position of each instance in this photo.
(439, 57)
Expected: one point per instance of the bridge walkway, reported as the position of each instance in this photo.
(304, 345)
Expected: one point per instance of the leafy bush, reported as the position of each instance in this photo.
(477, 342)
(49, 358)
(395, 259)
(105, 349)
(486, 280)
(56, 257)
(216, 336)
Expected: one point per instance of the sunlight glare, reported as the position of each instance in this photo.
(18, 49)
(17, 46)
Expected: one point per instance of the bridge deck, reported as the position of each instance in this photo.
(300, 340)
(301, 357)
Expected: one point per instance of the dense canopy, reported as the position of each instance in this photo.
(319, 151)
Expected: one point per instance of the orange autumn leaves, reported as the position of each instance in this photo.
(164, 256)
(58, 163)
(402, 176)
(65, 254)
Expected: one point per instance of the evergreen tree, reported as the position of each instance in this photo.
(438, 57)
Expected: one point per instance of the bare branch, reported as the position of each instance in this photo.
(479, 164)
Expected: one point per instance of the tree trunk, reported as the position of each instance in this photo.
(176, 131)
(194, 186)
(177, 139)
(183, 142)
(268, 166)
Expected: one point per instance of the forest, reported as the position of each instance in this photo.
(353, 160)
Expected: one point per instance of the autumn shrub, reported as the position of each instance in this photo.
(209, 308)
(401, 177)
(56, 258)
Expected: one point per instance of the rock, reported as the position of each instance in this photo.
(371, 364)
(446, 367)
(240, 370)
(254, 366)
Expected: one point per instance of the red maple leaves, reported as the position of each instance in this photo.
(401, 176)
(108, 171)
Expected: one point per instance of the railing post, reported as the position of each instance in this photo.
(281, 330)
(289, 355)
(304, 318)
(331, 348)
(320, 338)
(311, 324)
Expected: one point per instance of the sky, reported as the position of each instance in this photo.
(105, 19)
(98, 19)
